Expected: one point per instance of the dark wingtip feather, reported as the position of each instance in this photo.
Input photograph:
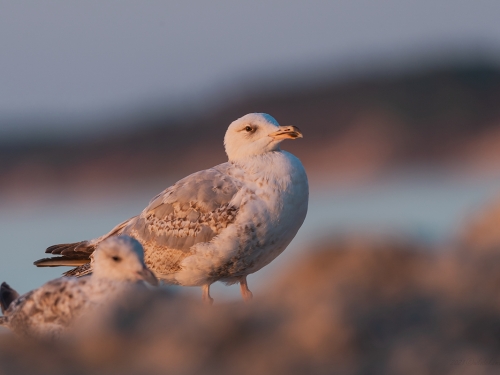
(56, 249)
(7, 295)
(60, 248)
(83, 247)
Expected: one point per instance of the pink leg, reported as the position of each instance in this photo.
(245, 292)
(206, 294)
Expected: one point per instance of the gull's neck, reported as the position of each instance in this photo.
(258, 161)
(272, 166)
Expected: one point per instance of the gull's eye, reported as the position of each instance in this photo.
(248, 129)
(117, 259)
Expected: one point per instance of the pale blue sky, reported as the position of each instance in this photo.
(84, 58)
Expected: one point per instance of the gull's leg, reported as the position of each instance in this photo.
(206, 294)
(245, 292)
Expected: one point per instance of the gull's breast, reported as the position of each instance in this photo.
(282, 194)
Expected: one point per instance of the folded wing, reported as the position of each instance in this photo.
(194, 210)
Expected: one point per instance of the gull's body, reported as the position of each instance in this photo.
(55, 306)
(220, 224)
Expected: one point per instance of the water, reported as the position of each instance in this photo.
(428, 208)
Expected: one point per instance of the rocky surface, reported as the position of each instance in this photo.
(353, 307)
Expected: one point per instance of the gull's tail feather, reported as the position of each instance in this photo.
(63, 261)
(82, 270)
(78, 250)
(7, 295)
(71, 255)
(77, 254)
(82, 264)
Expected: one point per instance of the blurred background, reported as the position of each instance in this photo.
(103, 104)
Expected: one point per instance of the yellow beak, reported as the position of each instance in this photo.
(287, 132)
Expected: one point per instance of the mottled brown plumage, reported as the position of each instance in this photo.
(193, 210)
(51, 309)
(219, 224)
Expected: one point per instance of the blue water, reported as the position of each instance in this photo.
(426, 208)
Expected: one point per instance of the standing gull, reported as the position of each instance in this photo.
(219, 224)
(117, 264)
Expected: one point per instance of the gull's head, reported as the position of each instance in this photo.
(121, 258)
(256, 134)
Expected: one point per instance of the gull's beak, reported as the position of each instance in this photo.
(148, 276)
(287, 132)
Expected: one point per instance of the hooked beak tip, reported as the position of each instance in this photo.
(287, 132)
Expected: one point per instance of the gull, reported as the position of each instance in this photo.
(118, 267)
(218, 224)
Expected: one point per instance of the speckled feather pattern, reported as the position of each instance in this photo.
(225, 222)
(50, 310)
(222, 223)
(272, 204)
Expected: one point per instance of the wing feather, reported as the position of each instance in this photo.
(195, 209)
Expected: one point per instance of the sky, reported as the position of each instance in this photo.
(78, 59)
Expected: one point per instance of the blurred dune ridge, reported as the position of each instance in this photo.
(354, 131)
(350, 305)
